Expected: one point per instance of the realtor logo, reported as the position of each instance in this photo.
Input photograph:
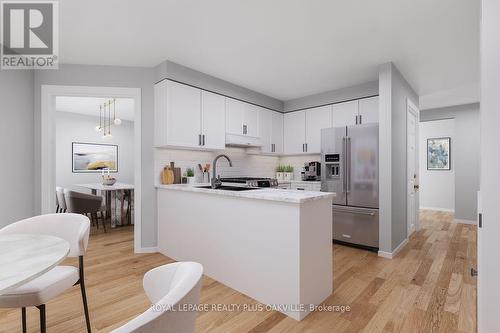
(29, 36)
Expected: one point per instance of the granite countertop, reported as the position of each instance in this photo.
(272, 194)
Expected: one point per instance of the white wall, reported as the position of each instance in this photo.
(16, 145)
(488, 235)
(72, 127)
(437, 187)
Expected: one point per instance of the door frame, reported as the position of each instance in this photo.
(48, 144)
(411, 108)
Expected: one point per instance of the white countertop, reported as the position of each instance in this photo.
(299, 181)
(262, 194)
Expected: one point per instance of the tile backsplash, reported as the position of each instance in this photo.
(243, 164)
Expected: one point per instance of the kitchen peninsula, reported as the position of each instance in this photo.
(273, 245)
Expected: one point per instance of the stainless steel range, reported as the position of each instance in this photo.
(251, 181)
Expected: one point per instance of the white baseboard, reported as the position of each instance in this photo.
(464, 221)
(438, 209)
(390, 255)
(152, 249)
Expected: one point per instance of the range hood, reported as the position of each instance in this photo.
(235, 140)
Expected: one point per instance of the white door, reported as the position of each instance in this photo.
(277, 131)
(344, 114)
(266, 130)
(235, 111)
(213, 115)
(251, 120)
(412, 169)
(295, 132)
(317, 119)
(183, 115)
(368, 110)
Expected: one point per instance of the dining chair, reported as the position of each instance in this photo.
(172, 288)
(83, 203)
(61, 203)
(74, 228)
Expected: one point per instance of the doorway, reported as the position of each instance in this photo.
(49, 94)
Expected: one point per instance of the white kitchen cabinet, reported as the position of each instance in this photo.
(368, 110)
(242, 118)
(316, 119)
(213, 120)
(277, 132)
(251, 120)
(271, 131)
(345, 114)
(177, 114)
(188, 117)
(295, 132)
(235, 111)
(266, 130)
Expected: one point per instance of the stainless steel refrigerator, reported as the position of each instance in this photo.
(349, 157)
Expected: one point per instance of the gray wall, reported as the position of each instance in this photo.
(467, 155)
(333, 96)
(16, 145)
(401, 91)
(109, 76)
(394, 91)
(72, 127)
(173, 71)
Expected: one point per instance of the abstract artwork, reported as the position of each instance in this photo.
(94, 157)
(438, 154)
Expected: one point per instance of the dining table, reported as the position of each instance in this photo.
(109, 192)
(24, 257)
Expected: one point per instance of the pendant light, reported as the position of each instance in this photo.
(98, 128)
(116, 121)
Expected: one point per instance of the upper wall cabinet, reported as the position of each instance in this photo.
(316, 120)
(368, 110)
(295, 132)
(188, 117)
(271, 131)
(303, 129)
(345, 114)
(242, 118)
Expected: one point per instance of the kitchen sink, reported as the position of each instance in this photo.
(230, 188)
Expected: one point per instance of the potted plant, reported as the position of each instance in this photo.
(190, 175)
(288, 172)
(279, 172)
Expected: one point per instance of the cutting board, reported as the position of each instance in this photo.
(167, 176)
(177, 173)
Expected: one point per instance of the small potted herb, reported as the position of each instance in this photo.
(279, 172)
(288, 172)
(190, 175)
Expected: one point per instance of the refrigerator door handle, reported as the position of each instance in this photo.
(344, 166)
(348, 165)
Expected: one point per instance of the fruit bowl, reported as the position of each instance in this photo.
(108, 181)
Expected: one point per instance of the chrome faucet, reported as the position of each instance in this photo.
(216, 182)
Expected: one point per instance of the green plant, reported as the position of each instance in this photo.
(288, 168)
(280, 168)
(190, 172)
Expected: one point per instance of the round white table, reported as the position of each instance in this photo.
(24, 257)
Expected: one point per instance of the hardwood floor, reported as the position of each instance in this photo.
(426, 288)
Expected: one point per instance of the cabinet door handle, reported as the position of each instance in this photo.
(306, 147)
(199, 139)
(303, 147)
(203, 139)
(245, 129)
(360, 119)
(356, 119)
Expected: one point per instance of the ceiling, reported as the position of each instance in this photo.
(282, 48)
(89, 106)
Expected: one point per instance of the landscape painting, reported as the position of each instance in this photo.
(94, 157)
(438, 154)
